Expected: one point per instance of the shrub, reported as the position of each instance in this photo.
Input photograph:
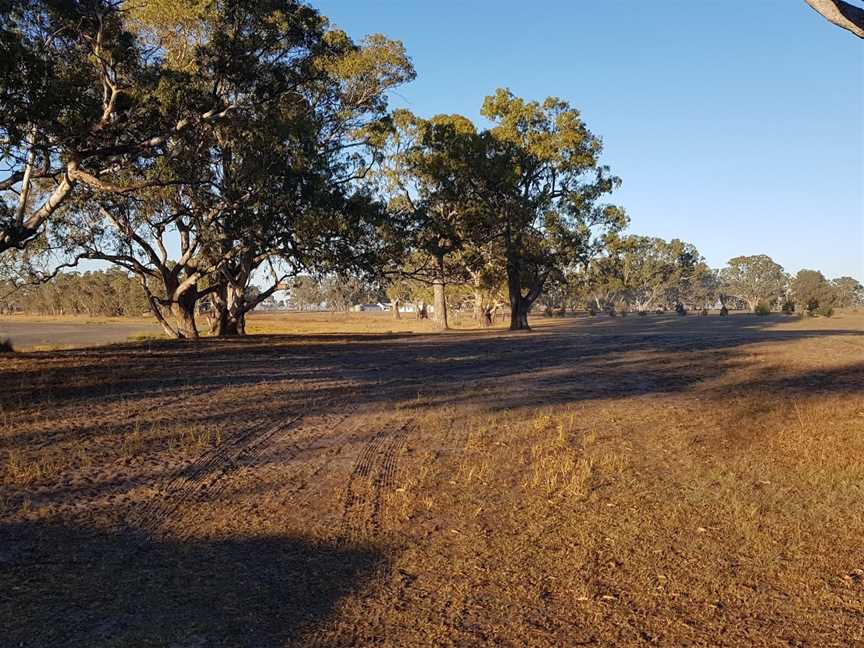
(680, 310)
(762, 309)
(643, 313)
(6, 346)
(788, 307)
(660, 311)
(825, 311)
(625, 313)
(724, 311)
(612, 312)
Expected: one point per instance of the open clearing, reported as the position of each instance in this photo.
(641, 481)
(29, 333)
(34, 333)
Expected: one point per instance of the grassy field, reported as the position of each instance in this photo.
(654, 480)
(45, 333)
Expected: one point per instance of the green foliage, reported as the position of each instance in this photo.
(762, 309)
(109, 293)
(543, 176)
(644, 272)
(6, 346)
(754, 279)
(848, 292)
(812, 291)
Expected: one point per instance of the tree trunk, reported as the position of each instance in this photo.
(486, 318)
(440, 305)
(183, 310)
(519, 316)
(396, 314)
(518, 306)
(438, 298)
(228, 316)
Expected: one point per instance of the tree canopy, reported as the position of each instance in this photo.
(220, 151)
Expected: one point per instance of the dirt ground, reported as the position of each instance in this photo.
(44, 333)
(32, 333)
(654, 480)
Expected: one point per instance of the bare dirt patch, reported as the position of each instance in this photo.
(675, 481)
(28, 333)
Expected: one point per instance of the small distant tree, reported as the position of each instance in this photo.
(704, 288)
(848, 292)
(399, 293)
(305, 293)
(812, 291)
(754, 279)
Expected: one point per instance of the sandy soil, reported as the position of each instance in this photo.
(657, 480)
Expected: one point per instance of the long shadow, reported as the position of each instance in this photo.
(137, 370)
(843, 381)
(581, 360)
(73, 586)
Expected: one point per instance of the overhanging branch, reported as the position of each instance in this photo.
(842, 14)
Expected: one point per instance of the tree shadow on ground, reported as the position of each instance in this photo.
(74, 586)
(438, 363)
(839, 381)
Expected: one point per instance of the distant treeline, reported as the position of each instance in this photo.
(107, 293)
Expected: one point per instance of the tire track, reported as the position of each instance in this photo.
(210, 467)
(373, 474)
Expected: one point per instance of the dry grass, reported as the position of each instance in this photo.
(351, 323)
(669, 481)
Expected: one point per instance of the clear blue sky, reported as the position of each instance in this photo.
(737, 125)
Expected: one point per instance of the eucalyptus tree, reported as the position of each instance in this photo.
(268, 191)
(543, 182)
(428, 178)
(84, 104)
(849, 292)
(812, 291)
(754, 279)
(296, 167)
(655, 272)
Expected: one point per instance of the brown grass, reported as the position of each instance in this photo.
(656, 480)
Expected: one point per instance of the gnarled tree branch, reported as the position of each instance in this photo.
(841, 13)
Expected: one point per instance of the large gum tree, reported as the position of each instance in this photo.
(542, 183)
(273, 184)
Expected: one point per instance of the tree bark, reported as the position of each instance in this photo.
(396, 314)
(439, 299)
(841, 13)
(183, 310)
(519, 316)
(519, 305)
(478, 306)
(440, 305)
(228, 318)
